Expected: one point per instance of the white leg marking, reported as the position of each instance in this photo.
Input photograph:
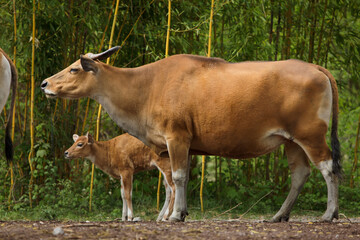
(165, 209)
(124, 211)
(167, 198)
(332, 183)
(130, 207)
(179, 178)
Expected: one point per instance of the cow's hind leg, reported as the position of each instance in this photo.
(319, 154)
(300, 171)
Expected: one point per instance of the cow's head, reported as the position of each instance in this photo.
(79, 79)
(81, 147)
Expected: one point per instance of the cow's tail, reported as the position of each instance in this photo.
(335, 144)
(9, 148)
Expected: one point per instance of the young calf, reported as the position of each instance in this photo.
(121, 157)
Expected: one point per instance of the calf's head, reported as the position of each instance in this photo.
(81, 147)
(79, 79)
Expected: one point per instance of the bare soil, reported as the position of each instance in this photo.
(231, 229)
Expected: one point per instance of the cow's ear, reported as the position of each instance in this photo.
(75, 137)
(88, 64)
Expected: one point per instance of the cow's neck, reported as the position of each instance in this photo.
(100, 156)
(123, 94)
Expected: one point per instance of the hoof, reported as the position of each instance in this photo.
(328, 217)
(180, 218)
(279, 219)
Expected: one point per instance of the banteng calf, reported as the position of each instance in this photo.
(121, 157)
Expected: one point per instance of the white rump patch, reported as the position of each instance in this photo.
(324, 111)
(5, 81)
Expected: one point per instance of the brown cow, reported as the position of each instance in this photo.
(121, 157)
(188, 104)
(8, 81)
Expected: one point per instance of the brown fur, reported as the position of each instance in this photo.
(189, 104)
(121, 158)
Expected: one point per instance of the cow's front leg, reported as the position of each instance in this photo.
(178, 152)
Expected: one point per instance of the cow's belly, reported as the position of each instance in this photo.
(239, 145)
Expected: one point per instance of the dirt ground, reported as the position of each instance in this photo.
(232, 229)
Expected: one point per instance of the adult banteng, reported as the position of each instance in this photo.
(8, 82)
(188, 104)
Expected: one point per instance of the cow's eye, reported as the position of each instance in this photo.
(80, 144)
(74, 70)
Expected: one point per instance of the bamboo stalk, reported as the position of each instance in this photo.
(202, 182)
(353, 170)
(13, 118)
(203, 157)
(132, 29)
(26, 106)
(168, 31)
(99, 112)
(158, 193)
(166, 55)
(32, 106)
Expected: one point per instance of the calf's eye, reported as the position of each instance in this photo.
(80, 144)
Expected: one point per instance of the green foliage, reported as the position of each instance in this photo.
(324, 32)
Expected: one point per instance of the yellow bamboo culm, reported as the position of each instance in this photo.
(168, 32)
(158, 192)
(202, 182)
(353, 170)
(99, 111)
(32, 107)
(203, 157)
(13, 119)
(210, 27)
(166, 55)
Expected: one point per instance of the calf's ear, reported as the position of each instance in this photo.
(88, 64)
(90, 139)
(75, 137)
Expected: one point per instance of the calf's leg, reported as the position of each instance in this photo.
(127, 183)
(125, 208)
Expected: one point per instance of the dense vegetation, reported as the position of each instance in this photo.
(325, 32)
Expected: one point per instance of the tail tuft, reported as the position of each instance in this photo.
(336, 155)
(9, 148)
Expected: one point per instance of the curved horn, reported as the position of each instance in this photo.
(103, 55)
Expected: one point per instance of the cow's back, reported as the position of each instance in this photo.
(228, 108)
